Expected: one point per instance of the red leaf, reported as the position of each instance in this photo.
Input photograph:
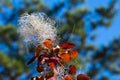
(72, 69)
(65, 57)
(48, 44)
(73, 54)
(51, 64)
(82, 77)
(52, 61)
(68, 77)
(31, 60)
(67, 45)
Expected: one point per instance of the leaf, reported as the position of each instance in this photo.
(31, 60)
(61, 51)
(73, 54)
(51, 64)
(52, 61)
(65, 57)
(48, 44)
(67, 45)
(82, 77)
(68, 77)
(72, 70)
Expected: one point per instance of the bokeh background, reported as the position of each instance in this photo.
(93, 25)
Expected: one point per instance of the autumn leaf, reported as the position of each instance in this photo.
(67, 45)
(61, 51)
(48, 44)
(82, 77)
(73, 54)
(51, 64)
(65, 57)
(52, 61)
(68, 77)
(72, 70)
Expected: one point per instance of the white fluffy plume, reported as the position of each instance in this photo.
(36, 28)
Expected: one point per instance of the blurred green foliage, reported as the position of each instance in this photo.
(10, 63)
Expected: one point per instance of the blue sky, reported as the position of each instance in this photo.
(104, 35)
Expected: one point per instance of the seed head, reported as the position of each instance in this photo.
(35, 28)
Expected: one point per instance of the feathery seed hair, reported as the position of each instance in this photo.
(36, 28)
